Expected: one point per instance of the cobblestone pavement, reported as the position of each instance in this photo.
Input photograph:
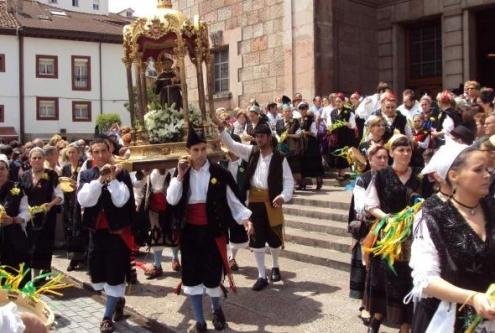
(79, 311)
(309, 299)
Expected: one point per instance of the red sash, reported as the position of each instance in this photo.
(158, 202)
(125, 233)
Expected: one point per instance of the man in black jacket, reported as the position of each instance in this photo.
(105, 193)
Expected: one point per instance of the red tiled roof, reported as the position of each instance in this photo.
(7, 20)
(37, 17)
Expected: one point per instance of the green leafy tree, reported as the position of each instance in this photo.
(105, 120)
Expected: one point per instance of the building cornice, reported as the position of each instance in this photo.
(72, 35)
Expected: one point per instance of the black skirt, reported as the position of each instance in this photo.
(358, 273)
(311, 164)
(387, 291)
(41, 235)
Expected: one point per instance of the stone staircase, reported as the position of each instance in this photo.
(316, 226)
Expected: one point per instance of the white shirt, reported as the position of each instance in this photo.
(199, 181)
(369, 105)
(272, 120)
(410, 113)
(90, 192)
(233, 167)
(137, 188)
(325, 115)
(260, 177)
(157, 181)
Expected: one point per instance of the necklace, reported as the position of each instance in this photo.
(472, 210)
(443, 196)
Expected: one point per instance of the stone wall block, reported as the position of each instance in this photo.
(452, 38)
(266, 56)
(452, 23)
(452, 53)
(384, 36)
(251, 59)
(453, 67)
(259, 44)
(258, 30)
(224, 13)
(449, 3)
(247, 32)
(252, 87)
(269, 84)
(385, 63)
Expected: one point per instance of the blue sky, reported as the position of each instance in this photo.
(142, 7)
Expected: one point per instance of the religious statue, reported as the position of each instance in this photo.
(168, 85)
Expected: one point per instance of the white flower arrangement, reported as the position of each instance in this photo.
(166, 125)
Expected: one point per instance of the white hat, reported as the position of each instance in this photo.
(443, 159)
(4, 159)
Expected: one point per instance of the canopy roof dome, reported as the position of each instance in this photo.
(163, 31)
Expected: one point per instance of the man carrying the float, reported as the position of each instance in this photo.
(105, 193)
(270, 185)
(238, 238)
(204, 198)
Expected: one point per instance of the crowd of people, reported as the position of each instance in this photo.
(439, 149)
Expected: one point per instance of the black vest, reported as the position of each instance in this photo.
(217, 210)
(275, 171)
(117, 217)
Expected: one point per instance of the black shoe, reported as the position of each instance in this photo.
(198, 328)
(374, 326)
(319, 184)
(219, 321)
(106, 326)
(119, 310)
(260, 284)
(275, 274)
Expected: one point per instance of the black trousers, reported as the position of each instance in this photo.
(201, 260)
(108, 258)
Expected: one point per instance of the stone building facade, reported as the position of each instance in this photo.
(266, 48)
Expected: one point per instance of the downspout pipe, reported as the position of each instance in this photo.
(101, 79)
(22, 134)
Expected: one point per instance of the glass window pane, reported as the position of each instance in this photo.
(425, 51)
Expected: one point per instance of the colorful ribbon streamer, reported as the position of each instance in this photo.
(394, 230)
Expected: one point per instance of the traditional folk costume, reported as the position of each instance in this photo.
(447, 247)
(386, 288)
(14, 246)
(399, 123)
(77, 237)
(238, 238)
(359, 226)
(268, 177)
(205, 202)
(108, 214)
(343, 136)
(311, 157)
(290, 147)
(41, 229)
(160, 233)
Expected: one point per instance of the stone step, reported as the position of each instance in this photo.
(318, 240)
(317, 256)
(324, 213)
(316, 225)
(329, 197)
